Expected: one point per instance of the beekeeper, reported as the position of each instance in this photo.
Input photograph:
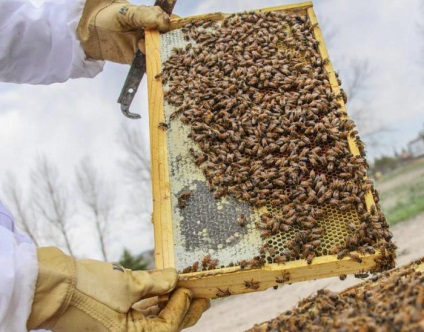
(47, 42)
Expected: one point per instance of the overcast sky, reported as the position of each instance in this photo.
(81, 117)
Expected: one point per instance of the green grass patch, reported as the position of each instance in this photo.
(403, 201)
(405, 210)
(409, 167)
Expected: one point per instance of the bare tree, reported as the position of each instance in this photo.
(97, 199)
(22, 212)
(328, 31)
(357, 74)
(51, 199)
(136, 167)
(358, 79)
(137, 160)
(359, 89)
(47, 211)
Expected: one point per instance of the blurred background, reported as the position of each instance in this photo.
(75, 171)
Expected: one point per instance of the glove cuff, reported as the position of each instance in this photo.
(86, 29)
(103, 32)
(54, 288)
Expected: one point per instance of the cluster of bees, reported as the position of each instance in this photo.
(391, 301)
(270, 131)
(207, 263)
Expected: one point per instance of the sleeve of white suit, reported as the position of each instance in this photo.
(39, 43)
(18, 275)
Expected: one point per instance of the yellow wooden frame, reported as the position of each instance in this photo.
(212, 284)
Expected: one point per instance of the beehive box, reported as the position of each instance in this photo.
(259, 177)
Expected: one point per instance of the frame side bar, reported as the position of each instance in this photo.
(369, 199)
(161, 217)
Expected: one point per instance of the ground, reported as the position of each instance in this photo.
(402, 191)
(238, 313)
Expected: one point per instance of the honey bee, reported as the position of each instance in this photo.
(351, 227)
(163, 125)
(256, 263)
(182, 199)
(285, 277)
(213, 263)
(251, 284)
(175, 114)
(266, 233)
(201, 158)
(280, 259)
(316, 243)
(361, 275)
(205, 261)
(374, 278)
(188, 269)
(264, 248)
(310, 258)
(242, 220)
(342, 253)
(355, 257)
(223, 293)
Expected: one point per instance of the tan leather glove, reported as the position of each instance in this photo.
(88, 295)
(111, 29)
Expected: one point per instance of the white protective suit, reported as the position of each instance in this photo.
(18, 273)
(38, 45)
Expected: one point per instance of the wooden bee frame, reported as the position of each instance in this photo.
(230, 280)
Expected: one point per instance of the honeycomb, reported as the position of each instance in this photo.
(209, 198)
(335, 230)
(206, 225)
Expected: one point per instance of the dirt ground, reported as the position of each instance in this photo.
(238, 313)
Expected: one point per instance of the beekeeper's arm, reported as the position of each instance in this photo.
(44, 288)
(50, 41)
(88, 295)
(18, 274)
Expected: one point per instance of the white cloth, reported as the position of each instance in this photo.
(39, 44)
(18, 275)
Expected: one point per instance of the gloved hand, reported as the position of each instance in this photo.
(111, 29)
(88, 295)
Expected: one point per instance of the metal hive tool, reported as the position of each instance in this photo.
(191, 223)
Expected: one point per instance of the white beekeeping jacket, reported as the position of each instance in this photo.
(39, 44)
(18, 274)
